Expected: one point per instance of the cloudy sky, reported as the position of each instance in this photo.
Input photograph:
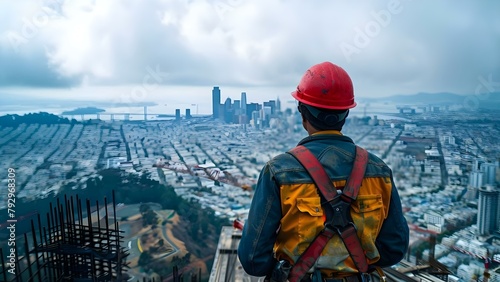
(134, 51)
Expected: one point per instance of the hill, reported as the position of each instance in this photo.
(84, 111)
(486, 100)
(33, 118)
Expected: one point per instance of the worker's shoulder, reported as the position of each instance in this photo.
(283, 161)
(376, 166)
(286, 169)
(374, 159)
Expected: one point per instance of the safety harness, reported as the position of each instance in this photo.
(337, 210)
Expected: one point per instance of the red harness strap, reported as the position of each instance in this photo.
(337, 208)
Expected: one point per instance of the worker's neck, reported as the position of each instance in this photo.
(311, 130)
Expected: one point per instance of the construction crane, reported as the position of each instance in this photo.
(208, 171)
(486, 273)
(487, 261)
(431, 239)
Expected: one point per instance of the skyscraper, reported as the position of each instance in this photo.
(237, 107)
(271, 104)
(236, 111)
(489, 173)
(476, 179)
(244, 115)
(228, 111)
(253, 107)
(255, 119)
(244, 102)
(488, 211)
(178, 114)
(216, 102)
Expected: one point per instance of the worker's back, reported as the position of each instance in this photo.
(302, 213)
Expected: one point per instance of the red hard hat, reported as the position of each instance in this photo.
(326, 86)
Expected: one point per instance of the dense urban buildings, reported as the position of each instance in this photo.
(445, 164)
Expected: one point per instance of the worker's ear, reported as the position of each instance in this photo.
(306, 124)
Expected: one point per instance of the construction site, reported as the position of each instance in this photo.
(77, 243)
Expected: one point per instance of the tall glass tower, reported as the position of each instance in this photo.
(488, 211)
(244, 103)
(216, 102)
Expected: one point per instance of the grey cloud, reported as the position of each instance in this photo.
(30, 70)
(433, 47)
(427, 46)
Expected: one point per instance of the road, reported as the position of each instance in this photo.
(135, 249)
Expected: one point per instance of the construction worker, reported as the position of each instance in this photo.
(288, 211)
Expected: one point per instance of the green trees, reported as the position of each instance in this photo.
(143, 208)
(149, 217)
(145, 259)
(33, 118)
(181, 262)
(169, 199)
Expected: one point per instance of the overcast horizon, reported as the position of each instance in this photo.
(174, 52)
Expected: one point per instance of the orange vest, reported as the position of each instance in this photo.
(303, 218)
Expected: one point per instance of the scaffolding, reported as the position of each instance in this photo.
(77, 243)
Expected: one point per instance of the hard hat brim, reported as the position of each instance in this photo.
(297, 96)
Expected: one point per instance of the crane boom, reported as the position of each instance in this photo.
(209, 172)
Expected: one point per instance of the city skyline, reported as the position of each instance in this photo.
(57, 49)
(203, 105)
(439, 169)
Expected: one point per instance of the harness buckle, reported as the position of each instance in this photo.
(341, 215)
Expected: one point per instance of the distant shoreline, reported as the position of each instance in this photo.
(84, 111)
